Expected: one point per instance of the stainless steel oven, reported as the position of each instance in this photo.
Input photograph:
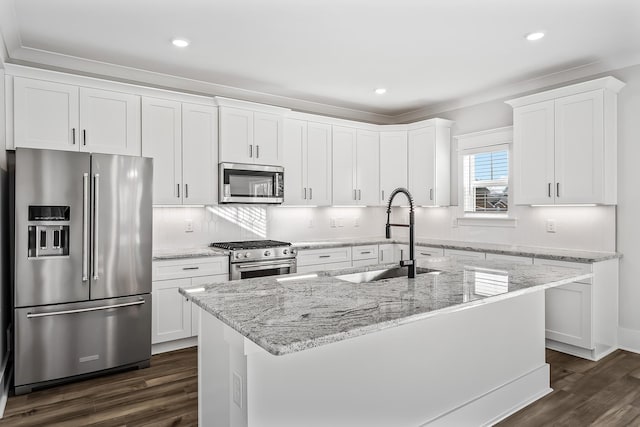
(259, 258)
(247, 270)
(247, 183)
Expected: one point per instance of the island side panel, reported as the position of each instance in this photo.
(471, 366)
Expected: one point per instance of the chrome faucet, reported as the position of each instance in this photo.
(411, 262)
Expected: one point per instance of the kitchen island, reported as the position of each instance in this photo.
(462, 345)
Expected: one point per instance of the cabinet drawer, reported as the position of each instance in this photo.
(364, 252)
(425, 252)
(323, 256)
(512, 258)
(193, 267)
(364, 262)
(577, 267)
(464, 254)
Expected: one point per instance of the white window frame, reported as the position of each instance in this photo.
(478, 142)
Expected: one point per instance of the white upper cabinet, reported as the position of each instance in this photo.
(356, 167)
(199, 154)
(368, 167)
(110, 122)
(565, 144)
(344, 160)
(307, 163)
(319, 164)
(250, 136)
(393, 165)
(162, 141)
(182, 140)
(57, 116)
(429, 163)
(46, 115)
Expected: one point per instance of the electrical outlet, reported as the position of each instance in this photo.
(237, 390)
(551, 226)
(356, 222)
(188, 226)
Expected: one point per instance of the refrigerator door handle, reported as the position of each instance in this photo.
(94, 240)
(83, 310)
(85, 227)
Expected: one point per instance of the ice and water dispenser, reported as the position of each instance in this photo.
(48, 231)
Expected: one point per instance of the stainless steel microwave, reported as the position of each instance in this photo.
(247, 183)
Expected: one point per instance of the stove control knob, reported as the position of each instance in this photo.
(238, 255)
(293, 251)
(285, 251)
(267, 253)
(247, 254)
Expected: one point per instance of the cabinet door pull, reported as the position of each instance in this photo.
(557, 189)
(431, 194)
(424, 254)
(324, 256)
(186, 191)
(257, 151)
(365, 252)
(190, 268)
(549, 190)
(178, 190)
(73, 131)
(310, 193)
(305, 193)
(355, 194)
(359, 194)
(84, 137)
(382, 194)
(250, 150)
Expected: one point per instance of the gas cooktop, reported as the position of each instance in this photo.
(249, 244)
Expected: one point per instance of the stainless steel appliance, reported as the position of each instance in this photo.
(82, 226)
(246, 183)
(259, 258)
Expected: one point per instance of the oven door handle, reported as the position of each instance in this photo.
(264, 266)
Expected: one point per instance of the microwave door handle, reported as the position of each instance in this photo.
(277, 189)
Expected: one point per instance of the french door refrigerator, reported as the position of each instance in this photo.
(82, 230)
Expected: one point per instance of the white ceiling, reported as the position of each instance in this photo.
(335, 52)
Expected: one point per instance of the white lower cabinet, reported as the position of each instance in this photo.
(323, 259)
(174, 317)
(364, 255)
(386, 253)
(461, 254)
(510, 258)
(582, 317)
(171, 312)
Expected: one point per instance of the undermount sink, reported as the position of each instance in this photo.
(387, 273)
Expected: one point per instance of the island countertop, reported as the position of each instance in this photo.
(285, 314)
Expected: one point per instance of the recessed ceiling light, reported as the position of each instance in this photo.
(381, 91)
(180, 42)
(534, 36)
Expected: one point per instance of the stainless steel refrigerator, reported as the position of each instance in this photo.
(82, 230)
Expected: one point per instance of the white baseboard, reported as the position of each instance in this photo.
(163, 347)
(596, 354)
(5, 381)
(509, 398)
(629, 339)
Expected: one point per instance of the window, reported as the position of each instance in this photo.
(486, 180)
(483, 178)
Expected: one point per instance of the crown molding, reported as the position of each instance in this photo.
(522, 88)
(86, 67)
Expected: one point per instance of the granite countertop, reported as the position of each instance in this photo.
(285, 314)
(179, 253)
(495, 248)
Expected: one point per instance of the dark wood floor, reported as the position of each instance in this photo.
(604, 393)
(166, 394)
